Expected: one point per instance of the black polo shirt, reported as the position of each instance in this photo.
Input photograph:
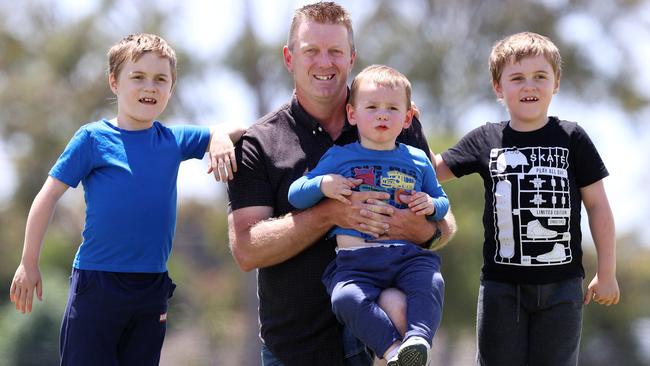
(297, 324)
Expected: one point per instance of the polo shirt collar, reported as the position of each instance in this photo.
(303, 118)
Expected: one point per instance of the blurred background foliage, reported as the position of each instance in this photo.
(52, 80)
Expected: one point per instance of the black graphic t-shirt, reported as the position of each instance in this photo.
(532, 184)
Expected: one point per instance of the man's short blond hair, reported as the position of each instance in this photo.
(520, 45)
(383, 76)
(133, 46)
(323, 12)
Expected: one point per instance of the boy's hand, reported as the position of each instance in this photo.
(604, 291)
(337, 187)
(422, 204)
(22, 288)
(222, 157)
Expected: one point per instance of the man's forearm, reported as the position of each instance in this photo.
(405, 225)
(266, 242)
(422, 233)
(447, 227)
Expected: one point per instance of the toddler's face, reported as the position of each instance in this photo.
(380, 113)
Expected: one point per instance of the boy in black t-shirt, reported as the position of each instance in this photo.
(536, 170)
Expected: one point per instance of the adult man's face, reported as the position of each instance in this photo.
(320, 61)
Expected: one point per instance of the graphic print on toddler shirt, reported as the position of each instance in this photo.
(531, 205)
(394, 181)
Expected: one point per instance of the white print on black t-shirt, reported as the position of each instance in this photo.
(532, 206)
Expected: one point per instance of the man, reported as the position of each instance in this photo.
(289, 248)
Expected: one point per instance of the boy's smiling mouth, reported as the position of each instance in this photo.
(146, 100)
(529, 99)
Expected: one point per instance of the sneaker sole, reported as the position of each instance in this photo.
(413, 355)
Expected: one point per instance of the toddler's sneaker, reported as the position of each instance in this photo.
(393, 361)
(413, 352)
(391, 355)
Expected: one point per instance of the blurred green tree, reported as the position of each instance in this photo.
(443, 47)
(52, 80)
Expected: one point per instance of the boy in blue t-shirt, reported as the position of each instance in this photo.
(117, 304)
(380, 106)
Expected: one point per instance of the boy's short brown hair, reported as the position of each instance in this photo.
(520, 45)
(383, 76)
(322, 12)
(133, 46)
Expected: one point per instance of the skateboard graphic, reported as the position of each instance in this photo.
(532, 209)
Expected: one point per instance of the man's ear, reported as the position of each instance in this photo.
(112, 82)
(287, 56)
(557, 86)
(352, 118)
(497, 89)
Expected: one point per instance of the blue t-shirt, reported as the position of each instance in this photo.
(392, 171)
(129, 180)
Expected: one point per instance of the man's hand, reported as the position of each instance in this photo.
(405, 224)
(367, 213)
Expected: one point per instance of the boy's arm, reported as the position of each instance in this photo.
(305, 192)
(441, 205)
(442, 170)
(604, 286)
(431, 201)
(28, 276)
(434, 207)
(222, 150)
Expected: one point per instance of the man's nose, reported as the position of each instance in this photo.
(324, 59)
